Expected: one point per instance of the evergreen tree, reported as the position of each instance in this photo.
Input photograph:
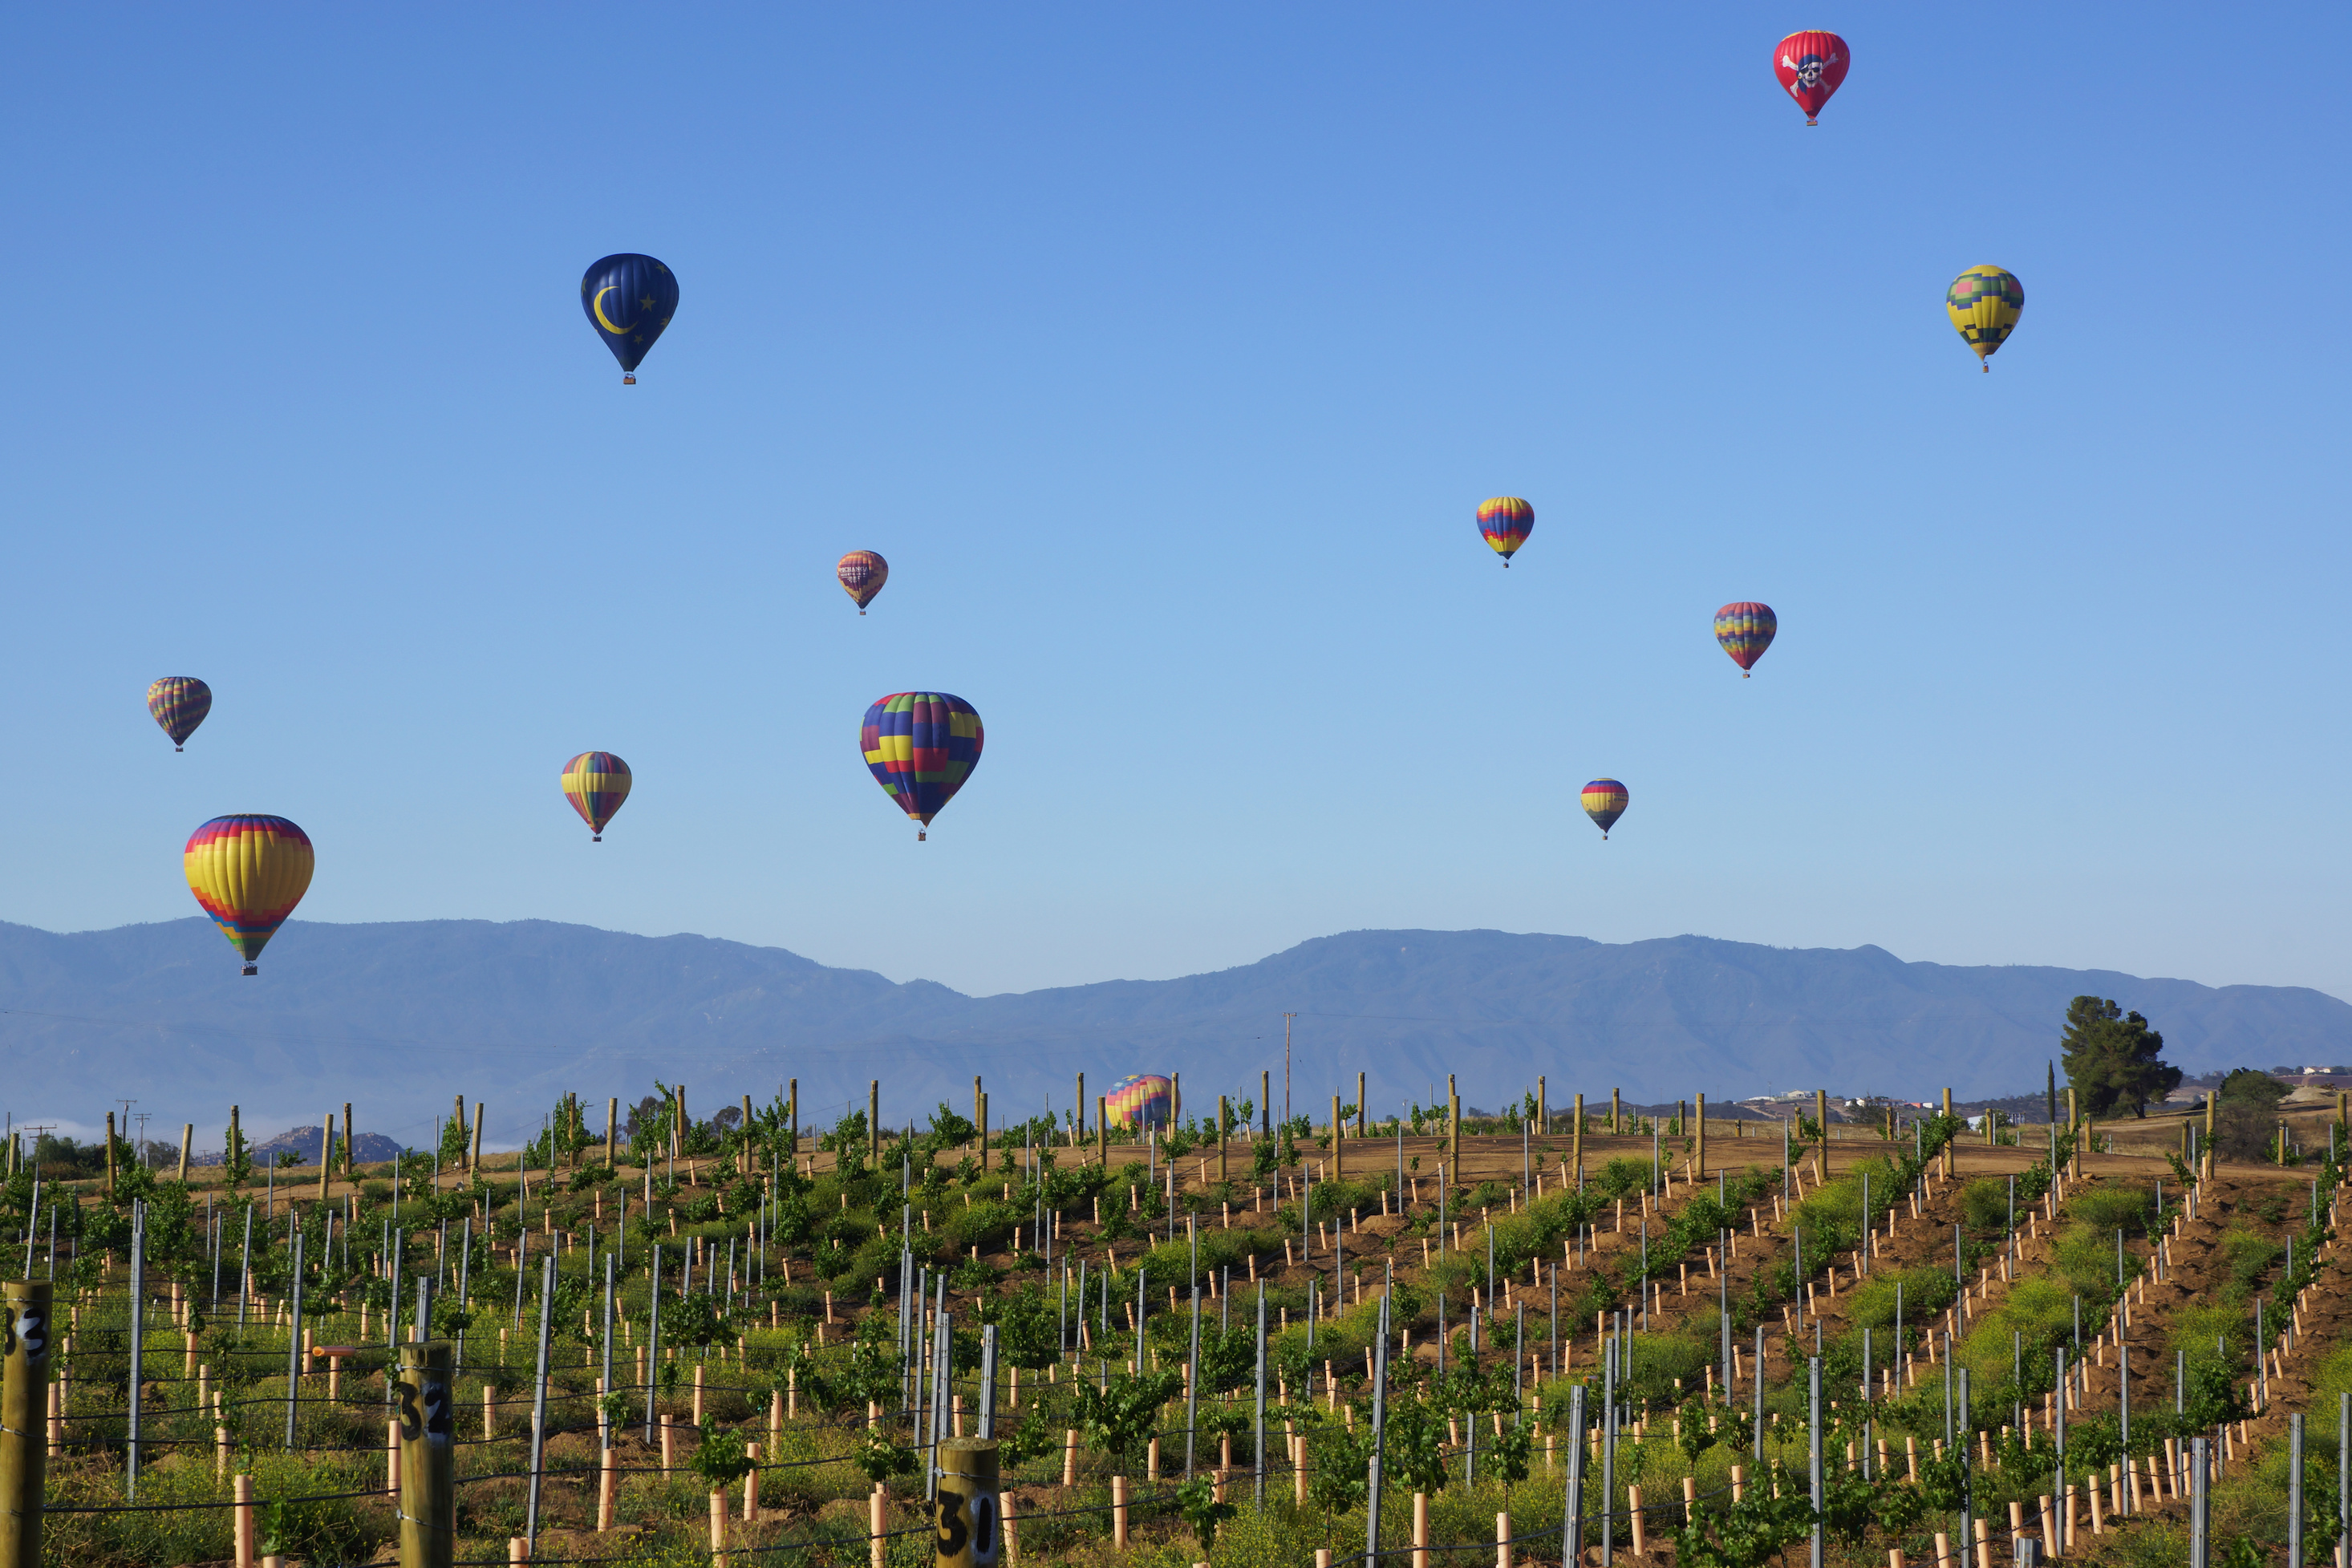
(2113, 1058)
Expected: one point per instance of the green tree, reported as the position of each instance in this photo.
(2113, 1058)
(2245, 1114)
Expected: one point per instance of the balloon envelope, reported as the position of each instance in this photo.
(1984, 303)
(1811, 65)
(179, 703)
(1746, 630)
(628, 298)
(920, 747)
(248, 872)
(1145, 1099)
(862, 573)
(596, 782)
(1605, 800)
(1506, 521)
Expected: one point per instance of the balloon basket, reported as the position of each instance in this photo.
(919, 837)
(1810, 121)
(253, 969)
(628, 379)
(595, 838)
(179, 748)
(1746, 676)
(861, 613)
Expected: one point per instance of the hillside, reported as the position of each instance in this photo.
(400, 1017)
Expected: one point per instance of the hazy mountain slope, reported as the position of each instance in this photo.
(399, 1017)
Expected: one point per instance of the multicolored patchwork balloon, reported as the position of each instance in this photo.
(862, 573)
(1811, 65)
(1984, 303)
(596, 782)
(628, 298)
(920, 747)
(248, 872)
(1604, 801)
(1746, 630)
(179, 703)
(1507, 521)
(1145, 1099)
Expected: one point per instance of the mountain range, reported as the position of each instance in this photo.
(398, 1018)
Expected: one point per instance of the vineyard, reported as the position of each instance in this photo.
(1445, 1344)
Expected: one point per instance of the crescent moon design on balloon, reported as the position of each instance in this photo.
(598, 305)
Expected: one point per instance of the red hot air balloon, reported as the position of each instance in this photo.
(1811, 66)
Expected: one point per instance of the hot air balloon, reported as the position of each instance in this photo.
(248, 872)
(1746, 630)
(1145, 1099)
(1811, 66)
(1984, 303)
(1604, 801)
(862, 574)
(1507, 521)
(179, 703)
(629, 298)
(595, 782)
(920, 747)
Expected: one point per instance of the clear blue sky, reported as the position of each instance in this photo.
(1166, 352)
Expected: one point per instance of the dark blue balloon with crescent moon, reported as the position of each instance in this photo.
(628, 298)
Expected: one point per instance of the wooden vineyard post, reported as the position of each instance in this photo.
(428, 1471)
(612, 1130)
(1221, 1120)
(1453, 1123)
(326, 1156)
(474, 1145)
(24, 1421)
(1338, 1144)
(1266, 1101)
(1616, 1109)
(980, 1117)
(969, 1533)
(109, 1153)
(1078, 1115)
(874, 1118)
(1698, 1155)
(1576, 1142)
(746, 1156)
(1947, 1112)
(188, 1142)
(1363, 1115)
(1543, 1108)
(1102, 1130)
(350, 1160)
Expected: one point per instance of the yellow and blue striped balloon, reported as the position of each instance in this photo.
(596, 782)
(1506, 521)
(1605, 800)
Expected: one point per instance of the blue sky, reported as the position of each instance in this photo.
(1166, 352)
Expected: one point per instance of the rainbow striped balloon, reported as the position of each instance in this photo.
(179, 703)
(1146, 1099)
(1507, 521)
(920, 747)
(248, 872)
(1605, 800)
(1746, 630)
(596, 782)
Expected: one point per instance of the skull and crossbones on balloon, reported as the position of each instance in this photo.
(1809, 69)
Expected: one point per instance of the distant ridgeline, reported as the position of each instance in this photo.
(368, 1148)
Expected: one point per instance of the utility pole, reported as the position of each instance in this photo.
(1285, 1064)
